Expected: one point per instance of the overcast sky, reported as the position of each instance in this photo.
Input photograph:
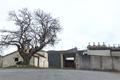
(83, 21)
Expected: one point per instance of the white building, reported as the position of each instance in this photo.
(40, 59)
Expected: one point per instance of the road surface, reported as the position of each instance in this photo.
(56, 74)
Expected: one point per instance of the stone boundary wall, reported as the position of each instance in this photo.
(99, 62)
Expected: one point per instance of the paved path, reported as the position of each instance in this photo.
(56, 74)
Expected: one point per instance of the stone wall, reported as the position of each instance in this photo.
(106, 63)
(99, 62)
(0, 61)
(84, 62)
(9, 60)
(95, 62)
(92, 60)
(116, 63)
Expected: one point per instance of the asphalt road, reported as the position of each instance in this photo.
(56, 74)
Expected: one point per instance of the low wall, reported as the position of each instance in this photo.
(95, 62)
(99, 62)
(116, 63)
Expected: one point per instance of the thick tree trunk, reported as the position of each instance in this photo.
(26, 57)
(26, 60)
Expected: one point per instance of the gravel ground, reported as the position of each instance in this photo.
(56, 74)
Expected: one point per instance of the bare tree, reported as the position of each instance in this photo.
(34, 31)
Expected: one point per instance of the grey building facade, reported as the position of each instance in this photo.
(95, 57)
(64, 59)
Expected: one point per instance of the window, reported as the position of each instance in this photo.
(16, 59)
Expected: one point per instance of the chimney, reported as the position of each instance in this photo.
(119, 45)
(98, 43)
(103, 43)
(89, 44)
(113, 45)
(93, 43)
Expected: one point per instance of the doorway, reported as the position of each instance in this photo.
(69, 61)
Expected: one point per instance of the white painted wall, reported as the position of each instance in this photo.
(9, 60)
(99, 52)
(43, 61)
(36, 61)
(0, 61)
